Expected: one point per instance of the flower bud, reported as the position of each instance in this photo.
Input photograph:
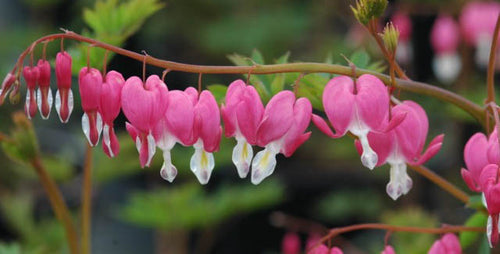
(367, 10)
(390, 37)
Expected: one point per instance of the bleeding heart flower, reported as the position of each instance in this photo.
(144, 105)
(479, 152)
(110, 105)
(207, 134)
(320, 249)
(403, 144)
(242, 115)
(403, 23)
(491, 188)
(7, 83)
(448, 244)
(358, 107)
(64, 95)
(31, 75)
(90, 84)
(281, 131)
(477, 23)
(44, 95)
(444, 39)
(175, 127)
(388, 250)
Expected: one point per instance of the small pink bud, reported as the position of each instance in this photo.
(31, 75)
(445, 35)
(388, 250)
(90, 84)
(110, 105)
(448, 244)
(44, 95)
(7, 83)
(64, 95)
(403, 23)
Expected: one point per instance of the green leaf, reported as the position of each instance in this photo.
(257, 57)
(476, 220)
(219, 92)
(360, 58)
(278, 83)
(283, 59)
(484, 248)
(10, 248)
(476, 202)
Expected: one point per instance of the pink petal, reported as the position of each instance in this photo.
(382, 143)
(277, 119)
(160, 98)
(469, 180)
(63, 70)
(448, 244)
(412, 132)
(290, 244)
(372, 101)
(445, 35)
(192, 94)
(338, 100)
(323, 126)
(234, 96)
(90, 84)
(31, 75)
(249, 113)
(403, 23)
(388, 250)
(488, 176)
(132, 131)
(111, 96)
(432, 150)
(229, 123)
(396, 120)
(208, 117)
(321, 249)
(336, 250)
(302, 117)
(44, 70)
(475, 155)
(180, 116)
(115, 145)
(493, 154)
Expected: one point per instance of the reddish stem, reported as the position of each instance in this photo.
(490, 79)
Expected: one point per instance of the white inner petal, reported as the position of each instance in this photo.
(27, 104)
(39, 102)
(202, 163)
(447, 67)
(168, 170)
(399, 183)
(264, 163)
(242, 156)
(106, 139)
(58, 104)
(357, 127)
(86, 127)
(151, 148)
(489, 230)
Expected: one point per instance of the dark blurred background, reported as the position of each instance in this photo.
(323, 183)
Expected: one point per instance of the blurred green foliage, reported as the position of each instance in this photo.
(190, 206)
(410, 243)
(478, 219)
(343, 205)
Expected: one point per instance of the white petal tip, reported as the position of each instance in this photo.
(168, 173)
(369, 159)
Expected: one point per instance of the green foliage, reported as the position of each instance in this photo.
(484, 248)
(191, 207)
(219, 92)
(21, 145)
(10, 248)
(476, 202)
(410, 243)
(366, 10)
(341, 205)
(113, 22)
(476, 220)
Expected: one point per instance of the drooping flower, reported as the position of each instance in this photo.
(491, 188)
(90, 85)
(281, 131)
(8, 81)
(388, 250)
(358, 107)
(175, 127)
(403, 23)
(110, 105)
(207, 134)
(31, 74)
(403, 144)
(477, 24)
(64, 95)
(242, 114)
(44, 94)
(144, 105)
(444, 40)
(448, 244)
(290, 244)
(476, 158)
(320, 249)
